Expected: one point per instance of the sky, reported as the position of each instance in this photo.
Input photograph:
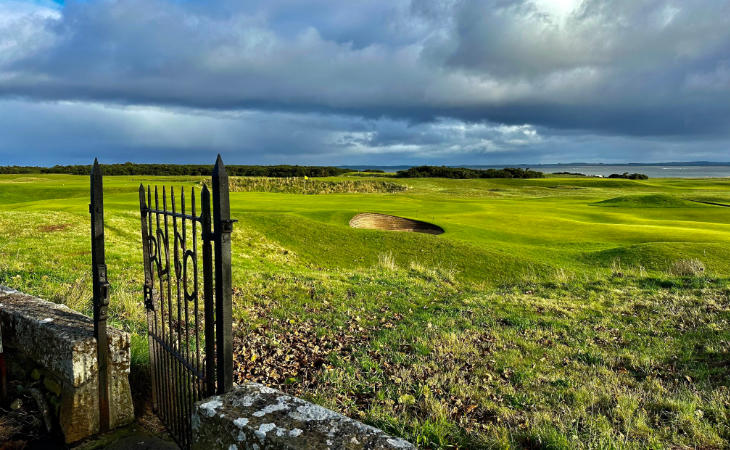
(358, 82)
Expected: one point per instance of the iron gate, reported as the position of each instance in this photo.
(189, 334)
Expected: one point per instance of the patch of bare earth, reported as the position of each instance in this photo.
(54, 228)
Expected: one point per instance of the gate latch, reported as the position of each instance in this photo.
(103, 291)
(148, 303)
(227, 225)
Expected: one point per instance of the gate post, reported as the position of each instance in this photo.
(101, 292)
(223, 226)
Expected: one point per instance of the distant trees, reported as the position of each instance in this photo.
(280, 171)
(185, 169)
(575, 174)
(461, 172)
(19, 169)
(629, 176)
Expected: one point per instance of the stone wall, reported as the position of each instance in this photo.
(54, 346)
(253, 416)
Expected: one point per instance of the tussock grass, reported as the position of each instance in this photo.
(386, 261)
(688, 268)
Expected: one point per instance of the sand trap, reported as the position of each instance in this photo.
(375, 221)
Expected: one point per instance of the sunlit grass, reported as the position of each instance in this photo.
(553, 313)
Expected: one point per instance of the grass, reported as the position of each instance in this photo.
(647, 201)
(563, 312)
(300, 185)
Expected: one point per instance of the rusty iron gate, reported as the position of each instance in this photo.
(189, 330)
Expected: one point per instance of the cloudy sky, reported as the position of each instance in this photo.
(364, 81)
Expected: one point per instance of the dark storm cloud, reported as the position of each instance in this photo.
(70, 131)
(439, 79)
(47, 133)
(602, 66)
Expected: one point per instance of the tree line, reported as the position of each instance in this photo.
(629, 176)
(183, 169)
(278, 171)
(461, 172)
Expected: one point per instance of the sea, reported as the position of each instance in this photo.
(670, 170)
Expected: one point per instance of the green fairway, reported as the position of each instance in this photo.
(552, 313)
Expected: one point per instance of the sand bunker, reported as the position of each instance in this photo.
(375, 221)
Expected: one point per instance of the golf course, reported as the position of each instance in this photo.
(556, 312)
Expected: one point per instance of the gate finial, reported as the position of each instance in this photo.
(219, 168)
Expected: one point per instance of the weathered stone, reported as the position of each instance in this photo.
(253, 416)
(61, 341)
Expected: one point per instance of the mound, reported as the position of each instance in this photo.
(661, 255)
(647, 201)
(375, 221)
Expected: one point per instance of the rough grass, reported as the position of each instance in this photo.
(537, 321)
(688, 268)
(300, 185)
(615, 361)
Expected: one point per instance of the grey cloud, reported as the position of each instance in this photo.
(73, 132)
(652, 67)
(422, 81)
(47, 133)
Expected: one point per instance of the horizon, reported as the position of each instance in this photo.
(369, 83)
(380, 166)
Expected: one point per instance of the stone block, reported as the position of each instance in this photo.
(61, 342)
(253, 416)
